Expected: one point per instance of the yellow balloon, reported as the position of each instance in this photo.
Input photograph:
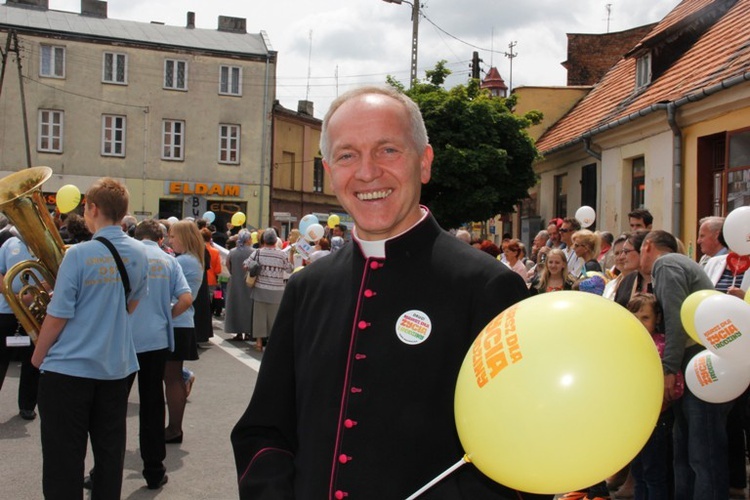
(333, 220)
(238, 219)
(67, 199)
(532, 388)
(687, 311)
(254, 237)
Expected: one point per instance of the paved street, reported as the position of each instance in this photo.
(202, 467)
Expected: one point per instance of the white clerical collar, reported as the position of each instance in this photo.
(376, 248)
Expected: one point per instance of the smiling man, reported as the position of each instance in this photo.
(355, 394)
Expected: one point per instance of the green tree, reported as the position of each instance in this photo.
(483, 154)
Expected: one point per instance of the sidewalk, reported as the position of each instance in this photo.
(202, 467)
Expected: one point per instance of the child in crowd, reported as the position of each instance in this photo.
(651, 467)
(553, 275)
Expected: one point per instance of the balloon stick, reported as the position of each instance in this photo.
(448, 472)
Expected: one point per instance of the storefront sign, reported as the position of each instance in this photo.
(201, 188)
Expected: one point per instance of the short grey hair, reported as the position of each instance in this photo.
(418, 129)
(713, 223)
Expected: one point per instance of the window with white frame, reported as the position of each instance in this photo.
(230, 80)
(175, 74)
(52, 62)
(50, 138)
(113, 135)
(173, 140)
(115, 68)
(643, 70)
(229, 143)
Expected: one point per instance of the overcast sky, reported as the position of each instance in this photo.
(326, 47)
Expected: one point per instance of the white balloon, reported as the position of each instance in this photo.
(173, 219)
(722, 322)
(586, 216)
(715, 379)
(737, 230)
(316, 231)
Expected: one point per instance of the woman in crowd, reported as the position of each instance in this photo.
(322, 248)
(616, 273)
(586, 245)
(190, 249)
(238, 317)
(512, 252)
(214, 267)
(553, 274)
(634, 281)
(269, 286)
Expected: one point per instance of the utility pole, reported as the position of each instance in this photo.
(13, 36)
(609, 15)
(510, 55)
(414, 36)
(475, 72)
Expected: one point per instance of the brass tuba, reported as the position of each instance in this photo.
(21, 200)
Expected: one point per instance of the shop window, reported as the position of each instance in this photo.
(638, 184)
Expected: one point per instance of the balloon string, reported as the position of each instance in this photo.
(464, 460)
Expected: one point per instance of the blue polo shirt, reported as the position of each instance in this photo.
(97, 341)
(12, 252)
(193, 271)
(152, 319)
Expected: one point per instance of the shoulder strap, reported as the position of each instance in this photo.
(120, 266)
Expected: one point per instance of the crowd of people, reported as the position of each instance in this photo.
(87, 357)
(354, 397)
(698, 449)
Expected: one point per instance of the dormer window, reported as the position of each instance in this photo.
(643, 70)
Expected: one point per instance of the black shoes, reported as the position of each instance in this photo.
(27, 414)
(174, 440)
(158, 484)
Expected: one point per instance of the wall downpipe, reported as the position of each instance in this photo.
(677, 171)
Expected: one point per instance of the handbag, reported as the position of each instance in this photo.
(252, 270)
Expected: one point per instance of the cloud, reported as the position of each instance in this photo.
(362, 41)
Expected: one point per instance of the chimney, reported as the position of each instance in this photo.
(191, 20)
(305, 107)
(32, 4)
(233, 24)
(94, 8)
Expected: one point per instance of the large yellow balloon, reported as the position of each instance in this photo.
(333, 220)
(687, 311)
(67, 199)
(534, 391)
(238, 219)
(254, 237)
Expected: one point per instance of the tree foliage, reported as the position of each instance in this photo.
(483, 154)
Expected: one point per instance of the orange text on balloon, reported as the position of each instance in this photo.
(705, 371)
(496, 347)
(723, 334)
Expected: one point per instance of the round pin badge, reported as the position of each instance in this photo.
(413, 327)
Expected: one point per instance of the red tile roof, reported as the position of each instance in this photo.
(722, 52)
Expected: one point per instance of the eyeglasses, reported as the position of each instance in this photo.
(563, 230)
(578, 245)
(626, 251)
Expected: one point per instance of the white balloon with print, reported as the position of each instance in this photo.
(714, 379)
(586, 216)
(314, 232)
(736, 230)
(722, 323)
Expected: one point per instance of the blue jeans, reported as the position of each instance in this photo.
(700, 449)
(651, 468)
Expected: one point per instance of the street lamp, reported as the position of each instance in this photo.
(414, 36)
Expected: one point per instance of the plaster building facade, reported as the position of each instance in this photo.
(181, 114)
(300, 184)
(666, 128)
